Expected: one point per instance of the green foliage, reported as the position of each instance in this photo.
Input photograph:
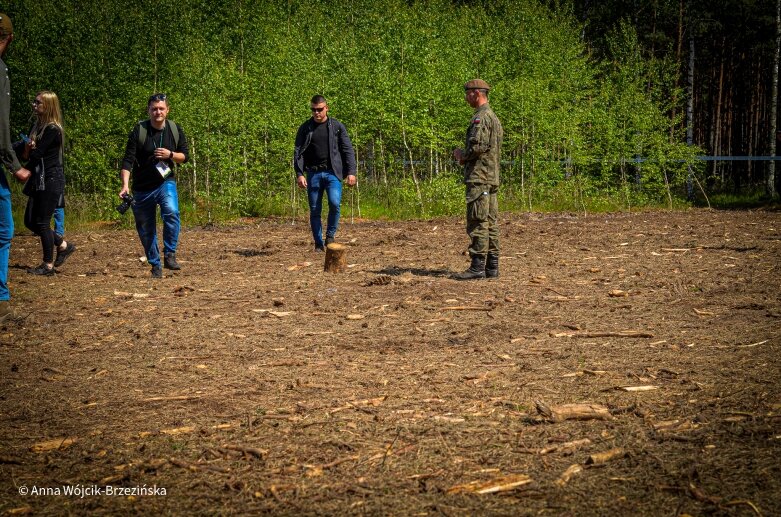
(239, 75)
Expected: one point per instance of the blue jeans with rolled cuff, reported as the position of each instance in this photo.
(319, 183)
(145, 213)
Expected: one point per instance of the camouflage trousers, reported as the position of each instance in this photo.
(482, 212)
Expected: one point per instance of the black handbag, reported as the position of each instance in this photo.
(36, 182)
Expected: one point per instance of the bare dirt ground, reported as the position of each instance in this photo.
(253, 382)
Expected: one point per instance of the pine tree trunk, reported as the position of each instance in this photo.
(771, 172)
(690, 116)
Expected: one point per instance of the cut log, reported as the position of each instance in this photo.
(335, 258)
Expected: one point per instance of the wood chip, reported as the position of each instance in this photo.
(54, 444)
(125, 294)
(177, 430)
(573, 412)
(601, 458)
(571, 471)
(355, 316)
(501, 484)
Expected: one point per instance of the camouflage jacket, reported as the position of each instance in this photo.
(483, 148)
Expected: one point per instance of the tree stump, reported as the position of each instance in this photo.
(335, 258)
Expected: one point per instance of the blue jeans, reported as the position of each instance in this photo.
(145, 213)
(59, 221)
(6, 233)
(317, 184)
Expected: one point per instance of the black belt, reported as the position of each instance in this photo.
(317, 168)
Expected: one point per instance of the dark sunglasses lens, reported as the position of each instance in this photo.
(317, 110)
(158, 97)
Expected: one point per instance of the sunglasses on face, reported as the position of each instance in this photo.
(318, 110)
(36, 102)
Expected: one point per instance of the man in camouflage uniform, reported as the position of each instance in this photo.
(480, 159)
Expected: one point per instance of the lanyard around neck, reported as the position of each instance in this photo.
(162, 132)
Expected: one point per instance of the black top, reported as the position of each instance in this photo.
(140, 160)
(48, 147)
(316, 155)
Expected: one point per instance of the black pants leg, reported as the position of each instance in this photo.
(37, 218)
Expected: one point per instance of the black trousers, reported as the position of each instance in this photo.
(39, 211)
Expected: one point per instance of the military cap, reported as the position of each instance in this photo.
(476, 84)
(6, 27)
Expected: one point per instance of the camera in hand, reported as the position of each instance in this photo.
(127, 202)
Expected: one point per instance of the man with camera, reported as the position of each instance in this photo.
(154, 147)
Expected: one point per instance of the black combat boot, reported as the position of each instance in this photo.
(492, 265)
(476, 270)
(170, 261)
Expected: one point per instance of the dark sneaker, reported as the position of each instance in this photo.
(329, 240)
(62, 255)
(43, 270)
(170, 262)
(157, 272)
(319, 247)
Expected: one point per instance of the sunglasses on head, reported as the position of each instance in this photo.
(158, 97)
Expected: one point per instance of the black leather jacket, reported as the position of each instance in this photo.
(340, 148)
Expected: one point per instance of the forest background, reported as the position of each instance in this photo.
(593, 97)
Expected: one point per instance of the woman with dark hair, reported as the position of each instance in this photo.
(46, 183)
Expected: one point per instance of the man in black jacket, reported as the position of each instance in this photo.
(323, 157)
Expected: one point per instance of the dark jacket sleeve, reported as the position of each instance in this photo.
(130, 150)
(7, 155)
(298, 159)
(347, 152)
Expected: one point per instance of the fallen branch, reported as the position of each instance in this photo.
(467, 308)
(501, 484)
(249, 451)
(573, 412)
(753, 344)
(620, 333)
(173, 398)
